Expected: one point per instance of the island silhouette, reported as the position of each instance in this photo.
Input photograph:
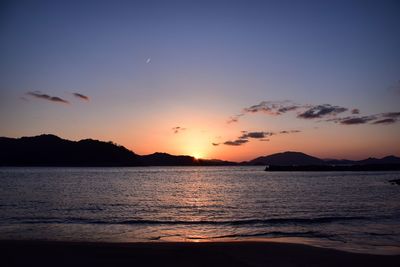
(51, 150)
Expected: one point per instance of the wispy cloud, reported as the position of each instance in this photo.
(390, 115)
(256, 135)
(289, 132)
(326, 112)
(237, 142)
(387, 118)
(234, 118)
(272, 107)
(40, 95)
(81, 96)
(321, 111)
(276, 108)
(178, 129)
(385, 121)
(355, 120)
(381, 118)
(260, 135)
(244, 138)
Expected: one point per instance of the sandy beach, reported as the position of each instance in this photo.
(46, 253)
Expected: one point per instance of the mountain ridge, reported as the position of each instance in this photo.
(287, 158)
(51, 150)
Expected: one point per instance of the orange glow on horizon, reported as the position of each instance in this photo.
(203, 129)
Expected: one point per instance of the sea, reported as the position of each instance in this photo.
(352, 211)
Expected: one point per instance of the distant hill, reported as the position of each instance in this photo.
(369, 161)
(385, 160)
(334, 168)
(339, 162)
(287, 159)
(164, 159)
(301, 159)
(51, 150)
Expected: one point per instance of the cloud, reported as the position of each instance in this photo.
(272, 107)
(325, 112)
(178, 129)
(256, 135)
(381, 118)
(83, 97)
(320, 111)
(215, 144)
(288, 132)
(264, 107)
(385, 121)
(387, 118)
(237, 142)
(276, 108)
(356, 120)
(38, 94)
(234, 118)
(260, 135)
(287, 108)
(390, 115)
(244, 138)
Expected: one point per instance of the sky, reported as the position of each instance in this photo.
(231, 80)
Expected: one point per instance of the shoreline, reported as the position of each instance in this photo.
(232, 253)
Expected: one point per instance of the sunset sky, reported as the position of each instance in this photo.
(232, 80)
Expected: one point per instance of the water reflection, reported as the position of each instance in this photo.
(197, 204)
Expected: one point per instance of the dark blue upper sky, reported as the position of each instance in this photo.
(194, 59)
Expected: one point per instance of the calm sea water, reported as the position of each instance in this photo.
(352, 211)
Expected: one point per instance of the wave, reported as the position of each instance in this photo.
(271, 234)
(274, 221)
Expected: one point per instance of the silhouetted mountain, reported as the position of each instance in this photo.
(216, 162)
(385, 160)
(390, 160)
(330, 168)
(339, 162)
(301, 159)
(369, 161)
(164, 159)
(287, 159)
(50, 150)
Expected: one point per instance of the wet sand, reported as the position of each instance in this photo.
(46, 253)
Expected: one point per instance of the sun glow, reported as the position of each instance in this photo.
(197, 155)
(194, 144)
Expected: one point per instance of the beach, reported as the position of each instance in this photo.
(52, 253)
